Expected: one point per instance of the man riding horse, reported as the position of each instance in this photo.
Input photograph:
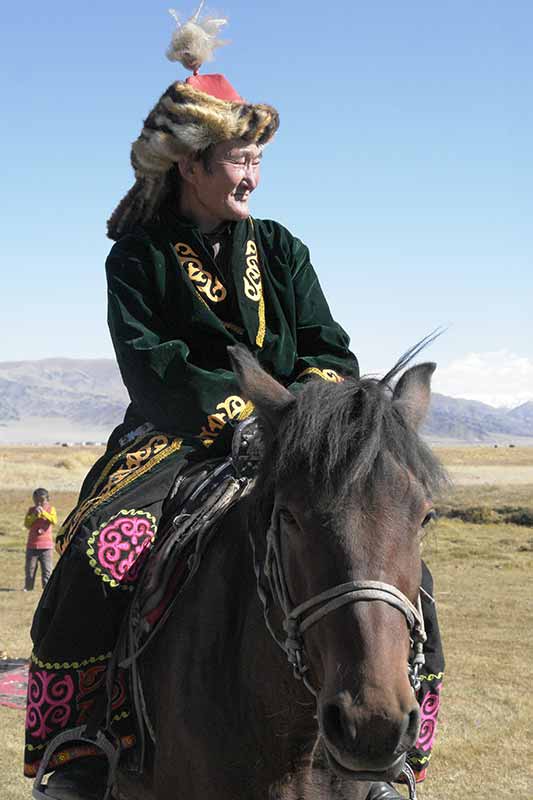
(190, 273)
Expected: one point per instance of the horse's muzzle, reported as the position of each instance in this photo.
(392, 773)
(359, 740)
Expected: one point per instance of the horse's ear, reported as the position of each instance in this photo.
(270, 398)
(412, 393)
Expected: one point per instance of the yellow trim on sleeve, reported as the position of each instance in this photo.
(326, 374)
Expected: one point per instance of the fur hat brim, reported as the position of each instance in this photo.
(185, 121)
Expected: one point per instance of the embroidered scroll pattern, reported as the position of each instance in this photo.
(62, 695)
(118, 549)
(48, 707)
(231, 408)
(325, 374)
(136, 459)
(203, 280)
(122, 469)
(429, 710)
(67, 695)
(253, 287)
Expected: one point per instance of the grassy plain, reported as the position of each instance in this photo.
(483, 586)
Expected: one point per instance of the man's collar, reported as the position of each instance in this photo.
(221, 232)
(174, 219)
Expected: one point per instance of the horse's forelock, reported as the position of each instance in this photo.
(340, 434)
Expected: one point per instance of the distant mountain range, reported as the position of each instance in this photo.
(60, 399)
(471, 421)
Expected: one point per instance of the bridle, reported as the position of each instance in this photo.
(247, 453)
(298, 619)
(272, 585)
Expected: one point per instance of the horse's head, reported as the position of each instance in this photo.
(346, 490)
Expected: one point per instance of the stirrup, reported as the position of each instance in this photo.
(110, 750)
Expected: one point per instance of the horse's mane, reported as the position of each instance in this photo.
(339, 434)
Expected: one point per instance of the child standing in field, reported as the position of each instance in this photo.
(40, 520)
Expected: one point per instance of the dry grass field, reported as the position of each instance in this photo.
(482, 571)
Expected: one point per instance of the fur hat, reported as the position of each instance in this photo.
(189, 117)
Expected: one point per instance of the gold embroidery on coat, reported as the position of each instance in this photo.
(253, 287)
(203, 280)
(134, 460)
(135, 464)
(252, 276)
(325, 374)
(228, 409)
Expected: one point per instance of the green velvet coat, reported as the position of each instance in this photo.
(173, 312)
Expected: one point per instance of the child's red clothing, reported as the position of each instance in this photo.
(40, 527)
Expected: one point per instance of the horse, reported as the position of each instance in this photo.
(320, 567)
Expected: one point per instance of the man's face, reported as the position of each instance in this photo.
(223, 190)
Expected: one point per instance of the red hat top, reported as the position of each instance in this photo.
(216, 85)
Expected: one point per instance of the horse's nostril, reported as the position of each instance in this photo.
(412, 724)
(339, 726)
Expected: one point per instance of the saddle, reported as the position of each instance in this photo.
(201, 495)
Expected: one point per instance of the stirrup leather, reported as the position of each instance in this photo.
(409, 777)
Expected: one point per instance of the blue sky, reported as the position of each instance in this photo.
(404, 160)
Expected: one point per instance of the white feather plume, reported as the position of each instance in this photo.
(193, 42)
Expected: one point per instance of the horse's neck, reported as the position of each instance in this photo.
(231, 720)
(220, 667)
(262, 674)
(276, 711)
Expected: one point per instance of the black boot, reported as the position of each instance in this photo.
(383, 791)
(82, 779)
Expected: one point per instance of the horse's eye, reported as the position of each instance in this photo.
(430, 517)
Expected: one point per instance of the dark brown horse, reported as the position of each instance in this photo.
(336, 519)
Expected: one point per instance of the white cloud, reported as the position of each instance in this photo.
(499, 378)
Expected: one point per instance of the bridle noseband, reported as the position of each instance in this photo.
(298, 619)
